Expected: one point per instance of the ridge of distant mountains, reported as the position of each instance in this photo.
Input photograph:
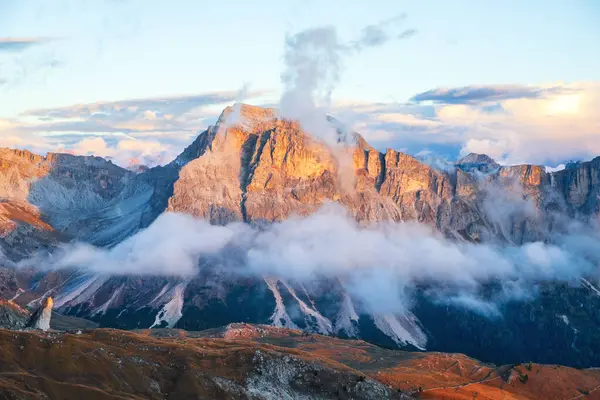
(263, 169)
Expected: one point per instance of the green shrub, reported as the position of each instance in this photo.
(523, 378)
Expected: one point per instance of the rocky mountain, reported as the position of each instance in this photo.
(262, 169)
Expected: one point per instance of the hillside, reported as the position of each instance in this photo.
(246, 361)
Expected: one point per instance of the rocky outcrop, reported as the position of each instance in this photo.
(261, 169)
(12, 316)
(41, 317)
(579, 186)
(56, 197)
(477, 162)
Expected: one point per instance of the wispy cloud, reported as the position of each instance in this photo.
(148, 116)
(545, 125)
(477, 94)
(314, 59)
(10, 44)
(514, 124)
(407, 34)
(147, 130)
(163, 105)
(382, 32)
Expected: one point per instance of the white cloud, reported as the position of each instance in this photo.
(378, 264)
(547, 125)
(141, 131)
(559, 167)
(313, 61)
(408, 119)
(543, 125)
(126, 152)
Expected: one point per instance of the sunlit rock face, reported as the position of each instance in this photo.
(271, 170)
(40, 319)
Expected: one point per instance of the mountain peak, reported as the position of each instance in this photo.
(479, 162)
(246, 115)
(476, 158)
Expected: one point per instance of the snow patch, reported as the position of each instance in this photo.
(156, 299)
(347, 318)
(104, 307)
(16, 296)
(587, 284)
(81, 292)
(280, 317)
(171, 311)
(559, 167)
(311, 315)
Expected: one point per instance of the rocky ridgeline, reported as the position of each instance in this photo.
(262, 169)
(268, 169)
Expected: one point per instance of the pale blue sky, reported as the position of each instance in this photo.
(114, 50)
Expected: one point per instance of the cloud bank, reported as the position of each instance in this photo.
(545, 125)
(379, 264)
(479, 94)
(147, 131)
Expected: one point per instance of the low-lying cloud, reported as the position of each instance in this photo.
(171, 246)
(380, 265)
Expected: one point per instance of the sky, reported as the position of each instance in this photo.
(137, 80)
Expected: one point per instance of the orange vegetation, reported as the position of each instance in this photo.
(164, 363)
(426, 375)
(12, 212)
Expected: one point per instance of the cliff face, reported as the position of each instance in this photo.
(270, 171)
(262, 169)
(45, 200)
(579, 185)
(40, 319)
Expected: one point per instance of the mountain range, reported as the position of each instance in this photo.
(255, 168)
